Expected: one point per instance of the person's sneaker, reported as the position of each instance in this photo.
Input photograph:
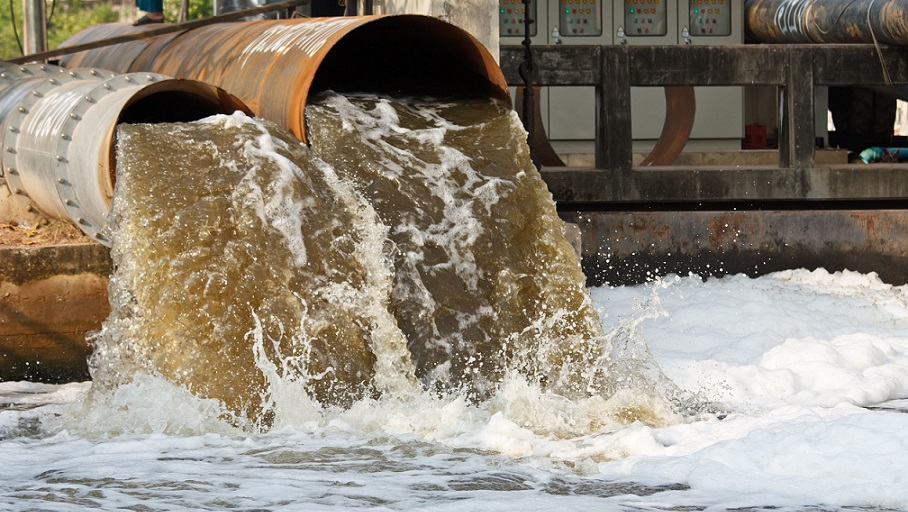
(145, 20)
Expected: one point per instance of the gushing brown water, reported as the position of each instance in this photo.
(415, 240)
(484, 279)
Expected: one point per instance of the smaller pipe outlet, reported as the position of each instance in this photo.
(59, 132)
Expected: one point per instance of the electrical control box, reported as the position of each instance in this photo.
(712, 22)
(572, 116)
(710, 18)
(643, 18)
(720, 110)
(580, 18)
(652, 22)
(657, 26)
(511, 16)
(567, 112)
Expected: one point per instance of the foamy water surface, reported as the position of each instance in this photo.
(808, 372)
(394, 320)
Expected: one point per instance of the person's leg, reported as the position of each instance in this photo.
(154, 11)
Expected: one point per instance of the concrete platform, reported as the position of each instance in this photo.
(51, 297)
(752, 157)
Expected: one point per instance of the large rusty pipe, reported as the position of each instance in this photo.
(59, 128)
(275, 66)
(827, 21)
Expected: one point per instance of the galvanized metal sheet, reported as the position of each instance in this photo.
(58, 133)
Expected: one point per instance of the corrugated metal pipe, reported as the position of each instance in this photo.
(276, 65)
(59, 128)
(827, 21)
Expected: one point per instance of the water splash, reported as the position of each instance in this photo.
(485, 280)
(413, 254)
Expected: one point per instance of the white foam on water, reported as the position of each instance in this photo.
(515, 451)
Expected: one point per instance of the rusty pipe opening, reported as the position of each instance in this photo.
(275, 66)
(407, 55)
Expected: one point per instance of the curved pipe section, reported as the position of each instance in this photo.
(824, 21)
(276, 66)
(680, 109)
(59, 130)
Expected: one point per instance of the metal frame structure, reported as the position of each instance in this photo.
(795, 69)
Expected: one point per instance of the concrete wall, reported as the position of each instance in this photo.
(478, 17)
(50, 298)
(634, 247)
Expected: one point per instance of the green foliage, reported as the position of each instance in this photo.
(197, 9)
(68, 17)
(71, 16)
(8, 46)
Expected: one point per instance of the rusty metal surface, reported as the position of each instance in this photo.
(275, 66)
(824, 21)
(155, 29)
(116, 58)
(680, 109)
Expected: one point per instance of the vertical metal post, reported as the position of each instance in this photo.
(527, 71)
(35, 26)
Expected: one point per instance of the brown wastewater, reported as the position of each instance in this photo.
(412, 247)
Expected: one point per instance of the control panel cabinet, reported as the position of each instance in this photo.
(709, 18)
(646, 22)
(580, 18)
(569, 112)
(645, 18)
(720, 110)
(572, 112)
(511, 15)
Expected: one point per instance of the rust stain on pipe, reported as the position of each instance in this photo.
(118, 58)
(275, 66)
